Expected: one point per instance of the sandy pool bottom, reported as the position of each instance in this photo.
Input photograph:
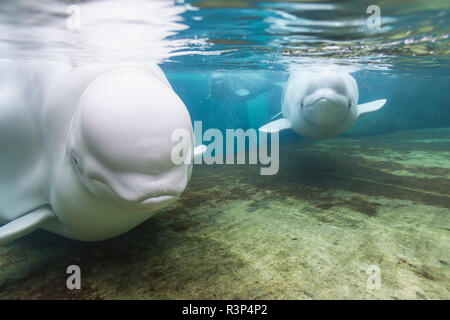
(347, 218)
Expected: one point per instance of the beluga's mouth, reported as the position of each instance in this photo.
(159, 198)
(324, 112)
(319, 101)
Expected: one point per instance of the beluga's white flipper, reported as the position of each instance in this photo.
(242, 92)
(198, 153)
(199, 150)
(371, 106)
(320, 104)
(25, 224)
(276, 116)
(276, 126)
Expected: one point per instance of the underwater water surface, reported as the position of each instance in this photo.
(374, 200)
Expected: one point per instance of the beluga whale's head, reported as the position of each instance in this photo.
(329, 100)
(120, 144)
(320, 102)
(118, 155)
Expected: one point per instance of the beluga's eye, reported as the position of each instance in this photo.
(349, 105)
(75, 160)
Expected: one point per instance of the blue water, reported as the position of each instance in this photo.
(211, 35)
(255, 45)
(414, 102)
(405, 60)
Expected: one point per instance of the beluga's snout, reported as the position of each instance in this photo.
(150, 192)
(325, 107)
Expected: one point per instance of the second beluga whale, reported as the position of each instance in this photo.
(238, 86)
(320, 104)
(87, 152)
(253, 90)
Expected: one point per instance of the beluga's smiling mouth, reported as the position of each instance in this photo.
(159, 198)
(317, 102)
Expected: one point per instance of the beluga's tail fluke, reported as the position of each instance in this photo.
(25, 224)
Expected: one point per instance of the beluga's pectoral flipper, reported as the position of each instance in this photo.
(25, 224)
(371, 106)
(198, 152)
(276, 126)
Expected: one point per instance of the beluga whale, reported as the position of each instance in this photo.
(238, 86)
(86, 152)
(252, 89)
(320, 103)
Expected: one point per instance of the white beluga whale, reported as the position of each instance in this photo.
(86, 152)
(320, 104)
(254, 89)
(238, 86)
